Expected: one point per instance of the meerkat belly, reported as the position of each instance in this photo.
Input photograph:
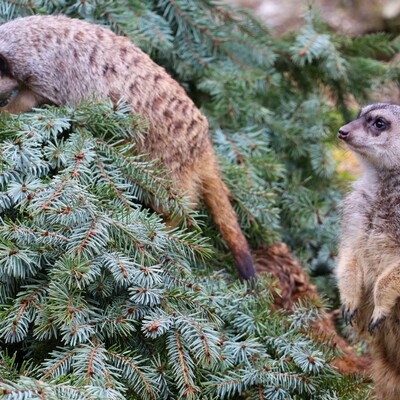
(379, 251)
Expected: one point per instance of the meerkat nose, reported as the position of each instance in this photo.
(343, 134)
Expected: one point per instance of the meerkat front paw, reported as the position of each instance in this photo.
(351, 300)
(375, 322)
(348, 313)
(350, 282)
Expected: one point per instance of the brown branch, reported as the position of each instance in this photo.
(29, 4)
(24, 305)
(197, 248)
(195, 53)
(216, 42)
(304, 50)
(189, 285)
(33, 232)
(233, 381)
(87, 236)
(57, 364)
(111, 183)
(78, 159)
(260, 393)
(188, 386)
(203, 339)
(123, 269)
(137, 370)
(90, 372)
(130, 236)
(55, 194)
(107, 376)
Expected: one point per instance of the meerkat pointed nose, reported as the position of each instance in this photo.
(343, 134)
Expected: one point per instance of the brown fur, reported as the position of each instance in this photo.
(64, 61)
(294, 285)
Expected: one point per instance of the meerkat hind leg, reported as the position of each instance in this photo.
(386, 293)
(23, 102)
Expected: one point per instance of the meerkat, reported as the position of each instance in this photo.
(63, 61)
(368, 270)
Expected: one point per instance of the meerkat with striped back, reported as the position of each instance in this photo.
(368, 269)
(63, 61)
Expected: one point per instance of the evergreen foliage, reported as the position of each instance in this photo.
(103, 299)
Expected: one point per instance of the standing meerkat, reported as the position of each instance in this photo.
(58, 60)
(368, 269)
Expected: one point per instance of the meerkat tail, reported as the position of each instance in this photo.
(216, 197)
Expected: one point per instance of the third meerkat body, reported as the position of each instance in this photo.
(368, 270)
(54, 59)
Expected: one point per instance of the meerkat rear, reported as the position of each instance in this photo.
(64, 61)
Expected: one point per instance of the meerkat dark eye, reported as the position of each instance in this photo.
(380, 123)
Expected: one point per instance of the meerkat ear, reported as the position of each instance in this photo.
(4, 66)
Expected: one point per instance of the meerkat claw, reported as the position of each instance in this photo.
(374, 324)
(348, 315)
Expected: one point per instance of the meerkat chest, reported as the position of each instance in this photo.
(384, 214)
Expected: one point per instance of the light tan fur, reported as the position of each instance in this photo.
(57, 60)
(23, 102)
(368, 269)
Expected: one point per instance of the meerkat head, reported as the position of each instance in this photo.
(7, 82)
(375, 135)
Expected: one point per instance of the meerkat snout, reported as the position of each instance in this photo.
(343, 134)
(349, 131)
(374, 136)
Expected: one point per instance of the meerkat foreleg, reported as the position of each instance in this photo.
(386, 293)
(350, 282)
(24, 101)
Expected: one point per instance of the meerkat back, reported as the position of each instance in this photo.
(55, 59)
(68, 60)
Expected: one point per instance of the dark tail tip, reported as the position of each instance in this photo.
(244, 265)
